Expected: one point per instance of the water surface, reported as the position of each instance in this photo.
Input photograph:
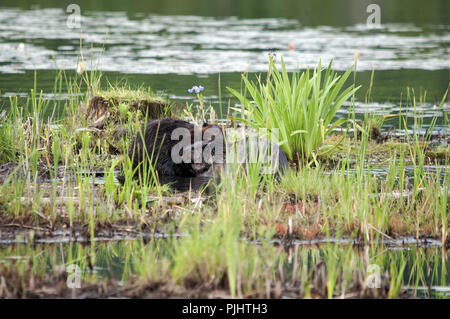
(171, 49)
(426, 270)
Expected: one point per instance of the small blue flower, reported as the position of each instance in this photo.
(196, 89)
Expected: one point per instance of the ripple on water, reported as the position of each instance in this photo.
(158, 44)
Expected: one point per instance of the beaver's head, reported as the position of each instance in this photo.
(207, 150)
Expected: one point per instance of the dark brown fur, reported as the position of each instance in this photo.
(158, 144)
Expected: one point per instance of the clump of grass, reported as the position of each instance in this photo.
(127, 103)
(124, 91)
(8, 151)
(116, 113)
(302, 107)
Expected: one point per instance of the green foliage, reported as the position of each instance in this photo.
(8, 152)
(302, 108)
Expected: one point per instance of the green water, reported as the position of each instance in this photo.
(426, 270)
(172, 45)
(309, 12)
(389, 87)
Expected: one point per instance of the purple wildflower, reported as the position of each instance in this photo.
(196, 89)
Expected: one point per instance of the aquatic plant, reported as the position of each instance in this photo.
(8, 152)
(302, 107)
(196, 89)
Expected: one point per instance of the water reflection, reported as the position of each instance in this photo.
(426, 271)
(159, 44)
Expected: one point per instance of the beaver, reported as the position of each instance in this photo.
(174, 147)
(180, 148)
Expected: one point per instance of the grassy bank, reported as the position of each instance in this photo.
(51, 186)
